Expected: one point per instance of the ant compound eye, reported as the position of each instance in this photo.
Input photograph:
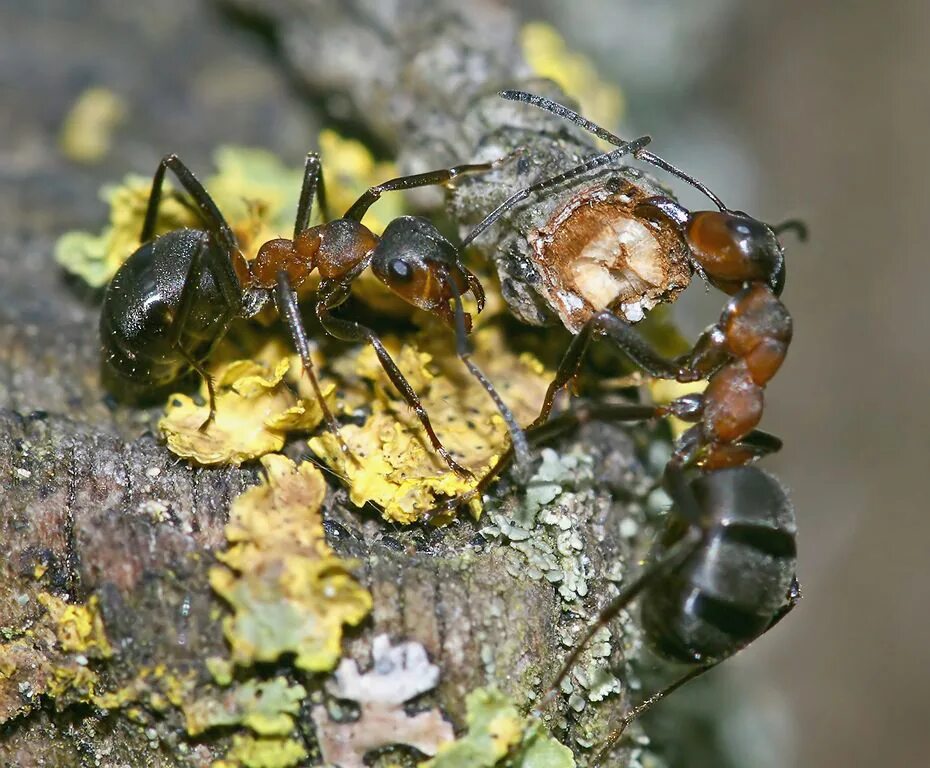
(400, 270)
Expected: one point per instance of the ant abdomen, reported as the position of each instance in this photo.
(730, 589)
(145, 296)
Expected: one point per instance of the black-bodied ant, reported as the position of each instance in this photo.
(722, 575)
(173, 300)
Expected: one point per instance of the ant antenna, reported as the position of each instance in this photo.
(518, 440)
(623, 148)
(793, 225)
(559, 110)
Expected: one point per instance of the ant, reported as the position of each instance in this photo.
(721, 576)
(174, 298)
(739, 354)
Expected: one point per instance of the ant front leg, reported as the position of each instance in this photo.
(627, 339)
(349, 330)
(206, 207)
(288, 309)
(428, 179)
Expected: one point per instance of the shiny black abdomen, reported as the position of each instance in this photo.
(143, 298)
(730, 590)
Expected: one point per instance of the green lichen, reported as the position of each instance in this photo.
(545, 531)
(267, 708)
(498, 735)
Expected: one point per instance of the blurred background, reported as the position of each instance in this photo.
(802, 108)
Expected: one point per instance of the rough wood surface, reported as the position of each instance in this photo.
(89, 494)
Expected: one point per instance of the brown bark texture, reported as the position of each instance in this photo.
(93, 506)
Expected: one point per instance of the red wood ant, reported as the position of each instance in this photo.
(174, 298)
(739, 354)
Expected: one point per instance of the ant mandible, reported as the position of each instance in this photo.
(174, 298)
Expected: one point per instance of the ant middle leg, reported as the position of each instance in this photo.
(627, 339)
(349, 330)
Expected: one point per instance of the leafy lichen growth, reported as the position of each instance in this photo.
(397, 468)
(87, 131)
(79, 626)
(289, 592)
(255, 409)
(498, 735)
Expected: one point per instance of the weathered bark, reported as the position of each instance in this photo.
(90, 495)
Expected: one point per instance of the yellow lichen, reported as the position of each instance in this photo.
(79, 627)
(288, 591)
(397, 467)
(268, 708)
(548, 55)
(87, 131)
(255, 409)
(262, 752)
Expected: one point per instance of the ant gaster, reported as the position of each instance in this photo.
(173, 300)
(722, 574)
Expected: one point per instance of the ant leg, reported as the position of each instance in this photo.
(286, 300)
(687, 506)
(185, 306)
(428, 179)
(520, 449)
(554, 181)
(795, 225)
(630, 342)
(791, 600)
(312, 187)
(672, 559)
(205, 205)
(611, 741)
(540, 433)
(560, 110)
(349, 330)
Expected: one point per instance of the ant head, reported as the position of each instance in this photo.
(730, 247)
(734, 248)
(422, 267)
